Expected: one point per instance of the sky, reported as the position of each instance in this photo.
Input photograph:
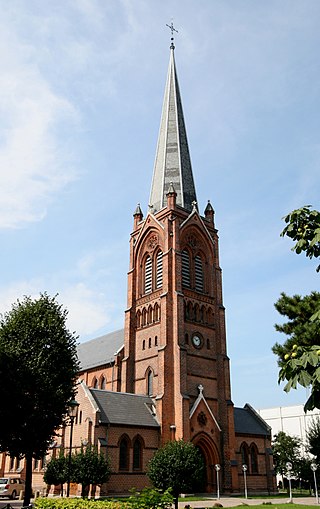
(81, 90)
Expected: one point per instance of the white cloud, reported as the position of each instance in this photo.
(88, 311)
(33, 165)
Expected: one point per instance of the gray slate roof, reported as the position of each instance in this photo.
(248, 422)
(172, 163)
(124, 408)
(101, 350)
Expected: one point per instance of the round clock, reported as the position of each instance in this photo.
(196, 340)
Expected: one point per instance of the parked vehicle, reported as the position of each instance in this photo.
(11, 486)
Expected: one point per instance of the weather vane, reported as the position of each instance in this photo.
(172, 30)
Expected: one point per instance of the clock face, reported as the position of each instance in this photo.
(196, 340)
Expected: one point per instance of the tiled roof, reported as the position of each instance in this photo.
(125, 408)
(101, 350)
(248, 422)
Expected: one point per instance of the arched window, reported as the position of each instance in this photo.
(138, 319)
(150, 382)
(159, 269)
(156, 341)
(210, 317)
(148, 275)
(198, 274)
(196, 313)
(253, 459)
(149, 342)
(144, 317)
(244, 450)
(95, 383)
(150, 314)
(156, 313)
(103, 383)
(124, 454)
(185, 261)
(137, 454)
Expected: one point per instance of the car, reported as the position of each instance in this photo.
(11, 486)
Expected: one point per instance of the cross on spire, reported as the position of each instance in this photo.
(172, 30)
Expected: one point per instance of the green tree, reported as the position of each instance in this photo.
(38, 359)
(303, 226)
(286, 449)
(299, 357)
(177, 465)
(313, 439)
(56, 471)
(298, 327)
(89, 467)
(305, 473)
(302, 367)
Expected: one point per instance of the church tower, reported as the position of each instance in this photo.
(175, 341)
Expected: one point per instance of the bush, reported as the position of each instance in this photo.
(150, 498)
(76, 503)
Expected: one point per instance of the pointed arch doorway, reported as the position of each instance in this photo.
(210, 455)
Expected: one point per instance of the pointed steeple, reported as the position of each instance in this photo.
(172, 163)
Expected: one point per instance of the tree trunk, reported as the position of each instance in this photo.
(28, 488)
(176, 502)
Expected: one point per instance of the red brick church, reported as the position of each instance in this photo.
(166, 375)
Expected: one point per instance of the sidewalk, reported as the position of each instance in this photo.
(235, 501)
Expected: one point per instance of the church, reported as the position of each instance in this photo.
(166, 375)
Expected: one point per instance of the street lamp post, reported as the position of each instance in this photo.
(72, 413)
(314, 467)
(244, 469)
(217, 468)
(289, 468)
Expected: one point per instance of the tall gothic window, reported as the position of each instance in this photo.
(150, 383)
(186, 281)
(148, 275)
(244, 450)
(253, 459)
(124, 454)
(198, 274)
(137, 454)
(159, 269)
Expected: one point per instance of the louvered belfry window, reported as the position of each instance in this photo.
(159, 270)
(148, 276)
(198, 273)
(186, 269)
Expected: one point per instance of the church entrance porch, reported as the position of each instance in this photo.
(209, 453)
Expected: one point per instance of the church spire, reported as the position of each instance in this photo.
(172, 163)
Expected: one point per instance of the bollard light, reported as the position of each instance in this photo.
(289, 468)
(314, 467)
(244, 469)
(218, 468)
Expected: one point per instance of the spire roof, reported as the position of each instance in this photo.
(172, 163)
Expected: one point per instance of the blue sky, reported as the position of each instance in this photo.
(81, 91)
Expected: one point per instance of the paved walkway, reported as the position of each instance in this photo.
(235, 501)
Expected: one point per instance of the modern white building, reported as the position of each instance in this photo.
(290, 419)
